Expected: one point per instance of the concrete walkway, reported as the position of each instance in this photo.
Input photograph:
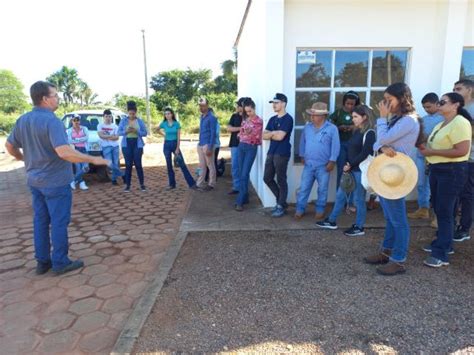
(122, 239)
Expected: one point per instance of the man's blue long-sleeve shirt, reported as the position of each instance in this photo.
(318, 146)
(207, 130)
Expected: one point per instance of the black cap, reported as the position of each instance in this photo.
(240, 102)
(279, 97)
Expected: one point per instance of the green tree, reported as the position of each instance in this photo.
(12, 98)
(120, 101)
(67, 82)
(227, 82)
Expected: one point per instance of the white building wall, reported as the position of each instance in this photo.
(435, 31)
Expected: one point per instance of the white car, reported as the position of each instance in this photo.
(91, 119)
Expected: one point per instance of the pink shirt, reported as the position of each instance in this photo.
(251, 131)
(77, 135)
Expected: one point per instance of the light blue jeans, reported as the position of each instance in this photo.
(81, 168)
(309, 175)
(359, 199)
(234, 153)
(423, 185)
(112, 154)
(397, 230)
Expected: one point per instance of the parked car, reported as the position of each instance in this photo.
(91, 120)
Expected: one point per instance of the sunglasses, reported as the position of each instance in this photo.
(443, 102)
(434, 135)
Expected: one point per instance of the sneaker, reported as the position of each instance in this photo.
(460, 236)
(239, 208)
(278, 212)
(83, 186)
(428, 249)
(143, 188)
(126, 189)
(42, 268)
(326, 224)
(114, 182)
(354, 231)
(170, 188)
(73, 185)
(233, 192)
(194, 187)
(421, 213)
(77, 264)
(391, 269)
(433, 262)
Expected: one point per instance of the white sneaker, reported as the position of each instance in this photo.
(83, 186)
(73, 185)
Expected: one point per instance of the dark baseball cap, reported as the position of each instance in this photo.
(279, 98)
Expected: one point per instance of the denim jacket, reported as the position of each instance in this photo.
(142, 132)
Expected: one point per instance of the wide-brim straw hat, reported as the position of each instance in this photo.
(318, 108)
(392, 178)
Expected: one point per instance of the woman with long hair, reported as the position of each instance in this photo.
(133, 129)
(250, 137)
(447, 151)
(398, 130)
(171, 130)
(359, 147)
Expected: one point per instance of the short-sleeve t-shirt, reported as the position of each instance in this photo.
(134, 125)
(38, 133)
(339, 118)
(284, 123)
(171, 132)
(108, 130)
(456, 131)
(235, 121)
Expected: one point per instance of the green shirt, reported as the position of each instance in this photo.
(339, 118)
(171, 132)
(134, 134)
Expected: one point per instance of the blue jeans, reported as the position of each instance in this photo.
(397, 230)
(247, 154)
(447, 181)
(168, 150)
(359, 198)
(52, 214)
(112, 154)
(311, 173)
(341, 161)
(133, 156)
(81, 168)
(234, 153)
(423, 185)
(467, 200)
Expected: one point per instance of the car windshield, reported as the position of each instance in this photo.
(88, 120)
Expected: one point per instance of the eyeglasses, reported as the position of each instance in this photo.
(55, 95)
(443, 102)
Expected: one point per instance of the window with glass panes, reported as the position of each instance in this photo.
(467, 64)
(326, 74)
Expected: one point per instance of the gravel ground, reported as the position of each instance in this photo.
(309, 292)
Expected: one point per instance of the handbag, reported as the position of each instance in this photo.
(364, 166)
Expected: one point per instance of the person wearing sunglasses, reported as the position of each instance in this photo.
(447, 151)
(78, 136)
(171, 130)
(398, 130)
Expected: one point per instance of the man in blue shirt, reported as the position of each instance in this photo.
(47, 155)
(206, 145)
(278, 132)
(319, 149)
(430, 104)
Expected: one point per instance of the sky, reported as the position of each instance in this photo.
(102, 39)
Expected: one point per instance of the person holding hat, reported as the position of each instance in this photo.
(360, 146)
(206, 145)
(447, 151)
(133, 129)
(78, 136)
(319, 149)
(278, 132)
(234, 128)
(390, 179)
(343, 121)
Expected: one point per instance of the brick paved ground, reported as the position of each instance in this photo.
(121, 238)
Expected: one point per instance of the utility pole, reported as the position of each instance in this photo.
(147, 97)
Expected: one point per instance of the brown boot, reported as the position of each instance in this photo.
(319, 216)
(298, 216)
(421, 213)
(379, 258)
(434, 223)
(391, 269)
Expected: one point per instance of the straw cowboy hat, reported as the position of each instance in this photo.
(318, 108)
(392, 178)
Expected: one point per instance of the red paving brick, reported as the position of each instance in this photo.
(122, 240)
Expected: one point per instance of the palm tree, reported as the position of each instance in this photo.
(67, 81)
